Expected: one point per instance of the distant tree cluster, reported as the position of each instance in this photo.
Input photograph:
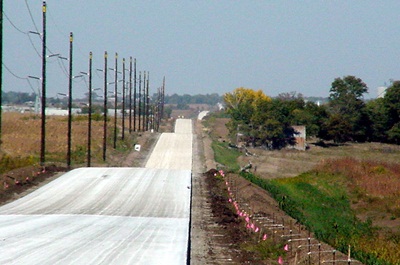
(345, 117)
(209, 99)
(17, 98)
(21, 98)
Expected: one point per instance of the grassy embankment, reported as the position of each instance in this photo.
(327, 200)
(353, 199)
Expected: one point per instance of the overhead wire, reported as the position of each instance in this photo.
(58, 29)
(33, 89)
(55, 24)
(37, 51)
(33, 45)
(63, 67)
(19, 77)
(12, 73)
(12, 24)
(22, 32)
(30, 14)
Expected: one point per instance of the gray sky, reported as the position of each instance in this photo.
(209, 46)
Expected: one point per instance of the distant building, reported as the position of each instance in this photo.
(300, 137)
(381, 91)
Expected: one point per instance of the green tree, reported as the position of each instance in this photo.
(241, 105)
(272, 122)
(391, 102)
(377, 114)
(348, 109)
(394, 133)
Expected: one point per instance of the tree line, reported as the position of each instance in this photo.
(345, 117)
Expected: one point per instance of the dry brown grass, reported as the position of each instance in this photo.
(21, 135)
(373, 183)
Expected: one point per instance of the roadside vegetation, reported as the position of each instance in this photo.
(261, 120)
(20, 169)
(328, 202)
(349, 196)
(21, 141)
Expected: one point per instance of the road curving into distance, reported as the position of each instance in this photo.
(107, 215)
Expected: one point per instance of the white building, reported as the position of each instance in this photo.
(381, 91)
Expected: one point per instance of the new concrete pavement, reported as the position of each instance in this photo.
(107, 215)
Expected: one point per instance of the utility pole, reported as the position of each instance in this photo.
(115, 101)
(105, 108)
(1, 68)
(43, 125)
(134, 99)
(123, 99)
(130, 95)
(144, 101)
(162, 98)
(90, 112)
(71, 39)
(140, 97)
(148, 101)
(158, 109)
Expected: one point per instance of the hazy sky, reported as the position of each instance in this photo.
(208, 46)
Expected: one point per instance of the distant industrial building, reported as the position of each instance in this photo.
(381, 91)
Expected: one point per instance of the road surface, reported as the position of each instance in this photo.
(107, 215)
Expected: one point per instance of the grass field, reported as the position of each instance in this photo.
(347, 194)
(21, 137)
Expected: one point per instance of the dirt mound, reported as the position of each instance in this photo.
(231, 228)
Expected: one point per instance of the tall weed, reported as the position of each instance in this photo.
(8, 163)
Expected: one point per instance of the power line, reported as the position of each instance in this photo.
(19, 77)
(12, 24)
(33, 89)
(34, 24)
(23, 32)
(11, 72)
(34, 47)
(63, 67)
(30, 14)
(55, 24)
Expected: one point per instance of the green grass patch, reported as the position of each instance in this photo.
(320, 202)
(266, 250)
(226, 156)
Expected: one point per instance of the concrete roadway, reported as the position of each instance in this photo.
(107, 215)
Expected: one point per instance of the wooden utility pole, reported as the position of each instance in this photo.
(123, 99)
(71, 39)
(162, 98)
(144, 101)
(140, 99)
(43, 124)
(115, 101)
(1, 68)
(148, 102)
(130, 95)
(89, 144)
(105, 108)
(134, 98)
